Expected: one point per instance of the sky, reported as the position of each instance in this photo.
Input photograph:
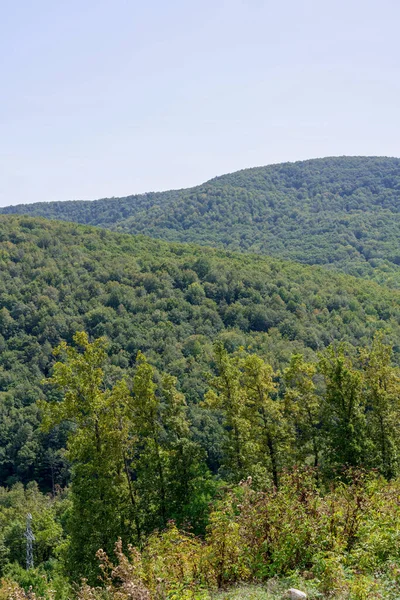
(102, 98)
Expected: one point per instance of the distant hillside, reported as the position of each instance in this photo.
(341, 212)
(169, 300)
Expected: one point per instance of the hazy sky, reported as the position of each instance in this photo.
(111, 97)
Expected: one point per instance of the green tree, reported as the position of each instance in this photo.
(190, 483)
(228, 395)
(150, 459)
(344, 410)
(383, 401)
(304, 406)
(270, 432)
(167, 465)
(15, 504)
(100, 491)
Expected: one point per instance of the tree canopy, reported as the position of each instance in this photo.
(169, 301)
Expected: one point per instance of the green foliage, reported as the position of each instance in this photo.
(134, 463)
(33, 579)
(298, 528)
(270, 431)
(345, 421)
(228, 396)
(207, 368)
(95, 448)
(383, 399)
(134, 291)
(341, 543)
(256, 431)
(47, 519)
(304, 408)
(173, 563)
(342, 212)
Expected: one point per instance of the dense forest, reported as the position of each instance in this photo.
(170, 301)
(178, 418)
(341, 212)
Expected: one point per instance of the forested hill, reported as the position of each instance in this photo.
(168, 300)
(340, 212)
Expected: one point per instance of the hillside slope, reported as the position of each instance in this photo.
(340, 212)
(169, 300)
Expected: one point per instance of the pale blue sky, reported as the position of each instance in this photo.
(108, 98)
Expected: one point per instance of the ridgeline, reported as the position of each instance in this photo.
(341, 212)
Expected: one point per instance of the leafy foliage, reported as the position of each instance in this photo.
(341, 543)
(168, 300)
(48, 515)
(212, 368)
(130, 442)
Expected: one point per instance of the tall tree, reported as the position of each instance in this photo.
(383, 402)
(344, 409)
(269, 429)
(190, 484)
(304, 407)
(167, 466)
(95, 449)
(228, 395)
(150, 460)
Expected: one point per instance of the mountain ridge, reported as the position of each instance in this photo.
(340, 212)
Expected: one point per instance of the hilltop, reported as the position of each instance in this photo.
(342, 212)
